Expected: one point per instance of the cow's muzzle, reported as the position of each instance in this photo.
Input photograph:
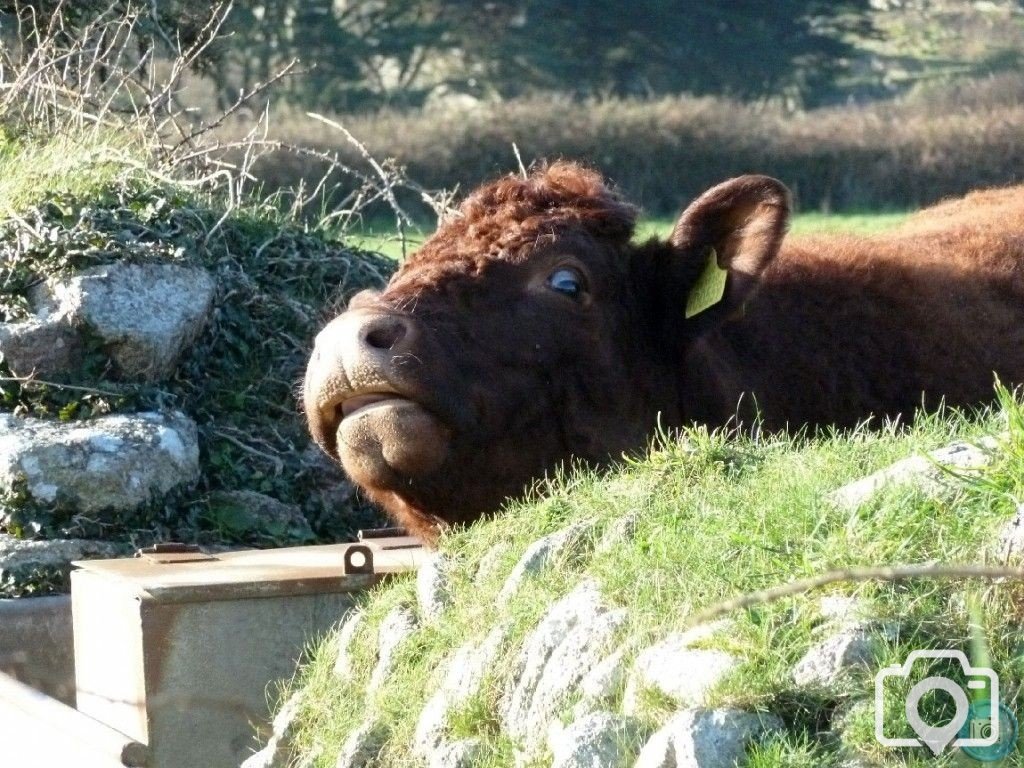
(361, 399)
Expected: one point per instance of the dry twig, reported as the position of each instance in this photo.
(866, 573)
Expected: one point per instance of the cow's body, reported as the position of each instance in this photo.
(530, 330)
(846, 327)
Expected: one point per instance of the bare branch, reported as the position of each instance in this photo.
(100, 78)
(57, 385)
(855, 574)
(244, 98)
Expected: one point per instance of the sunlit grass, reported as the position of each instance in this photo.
(79, 166)
(716, 516)
(382, 236)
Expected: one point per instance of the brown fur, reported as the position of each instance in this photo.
(825, 330)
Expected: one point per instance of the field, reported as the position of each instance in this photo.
(890, 155)
(382, 236)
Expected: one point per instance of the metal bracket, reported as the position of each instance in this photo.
(389, 538)
(381, 533)
(358, 559)
(174, 552)
(359, 556)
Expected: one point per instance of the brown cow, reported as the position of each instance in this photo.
(530, 329)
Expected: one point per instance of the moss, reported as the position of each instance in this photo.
(277, 280)
(35, 581)
(16, 508)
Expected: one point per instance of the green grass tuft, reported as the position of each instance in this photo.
(31, 170)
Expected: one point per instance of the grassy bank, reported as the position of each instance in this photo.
(69, 205)
(715, 517)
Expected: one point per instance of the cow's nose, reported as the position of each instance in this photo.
(358, 340)
(390, 333)
(358, 352)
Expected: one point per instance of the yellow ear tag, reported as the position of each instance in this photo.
(709, 288)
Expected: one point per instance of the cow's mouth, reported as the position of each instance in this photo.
(352, 405)
(385, 440)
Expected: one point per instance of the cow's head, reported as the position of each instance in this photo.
(527, 331)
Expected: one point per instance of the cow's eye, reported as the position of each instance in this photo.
(566, 281)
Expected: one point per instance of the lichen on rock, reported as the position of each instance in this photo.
(145, 314)
(103, 467)
(571, 638)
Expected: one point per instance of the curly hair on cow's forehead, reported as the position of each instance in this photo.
(552, 197)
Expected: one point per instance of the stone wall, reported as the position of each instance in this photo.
(571, 693)
(148, 356)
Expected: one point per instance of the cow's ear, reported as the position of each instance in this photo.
(721, 244)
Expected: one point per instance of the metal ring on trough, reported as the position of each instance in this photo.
(366, 564)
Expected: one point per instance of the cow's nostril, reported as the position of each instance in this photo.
(385, 333)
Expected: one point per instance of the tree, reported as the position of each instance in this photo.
(745, 48)
(371, 52)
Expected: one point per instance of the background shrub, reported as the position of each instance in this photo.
(895, 154)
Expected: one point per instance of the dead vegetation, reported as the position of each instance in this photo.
(899, 154)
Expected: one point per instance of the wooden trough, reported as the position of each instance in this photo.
(176, 652)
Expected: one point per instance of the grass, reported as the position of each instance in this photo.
(865, 223)
(382, 236)
(31, 169)
(716, 516)
(854, 223)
